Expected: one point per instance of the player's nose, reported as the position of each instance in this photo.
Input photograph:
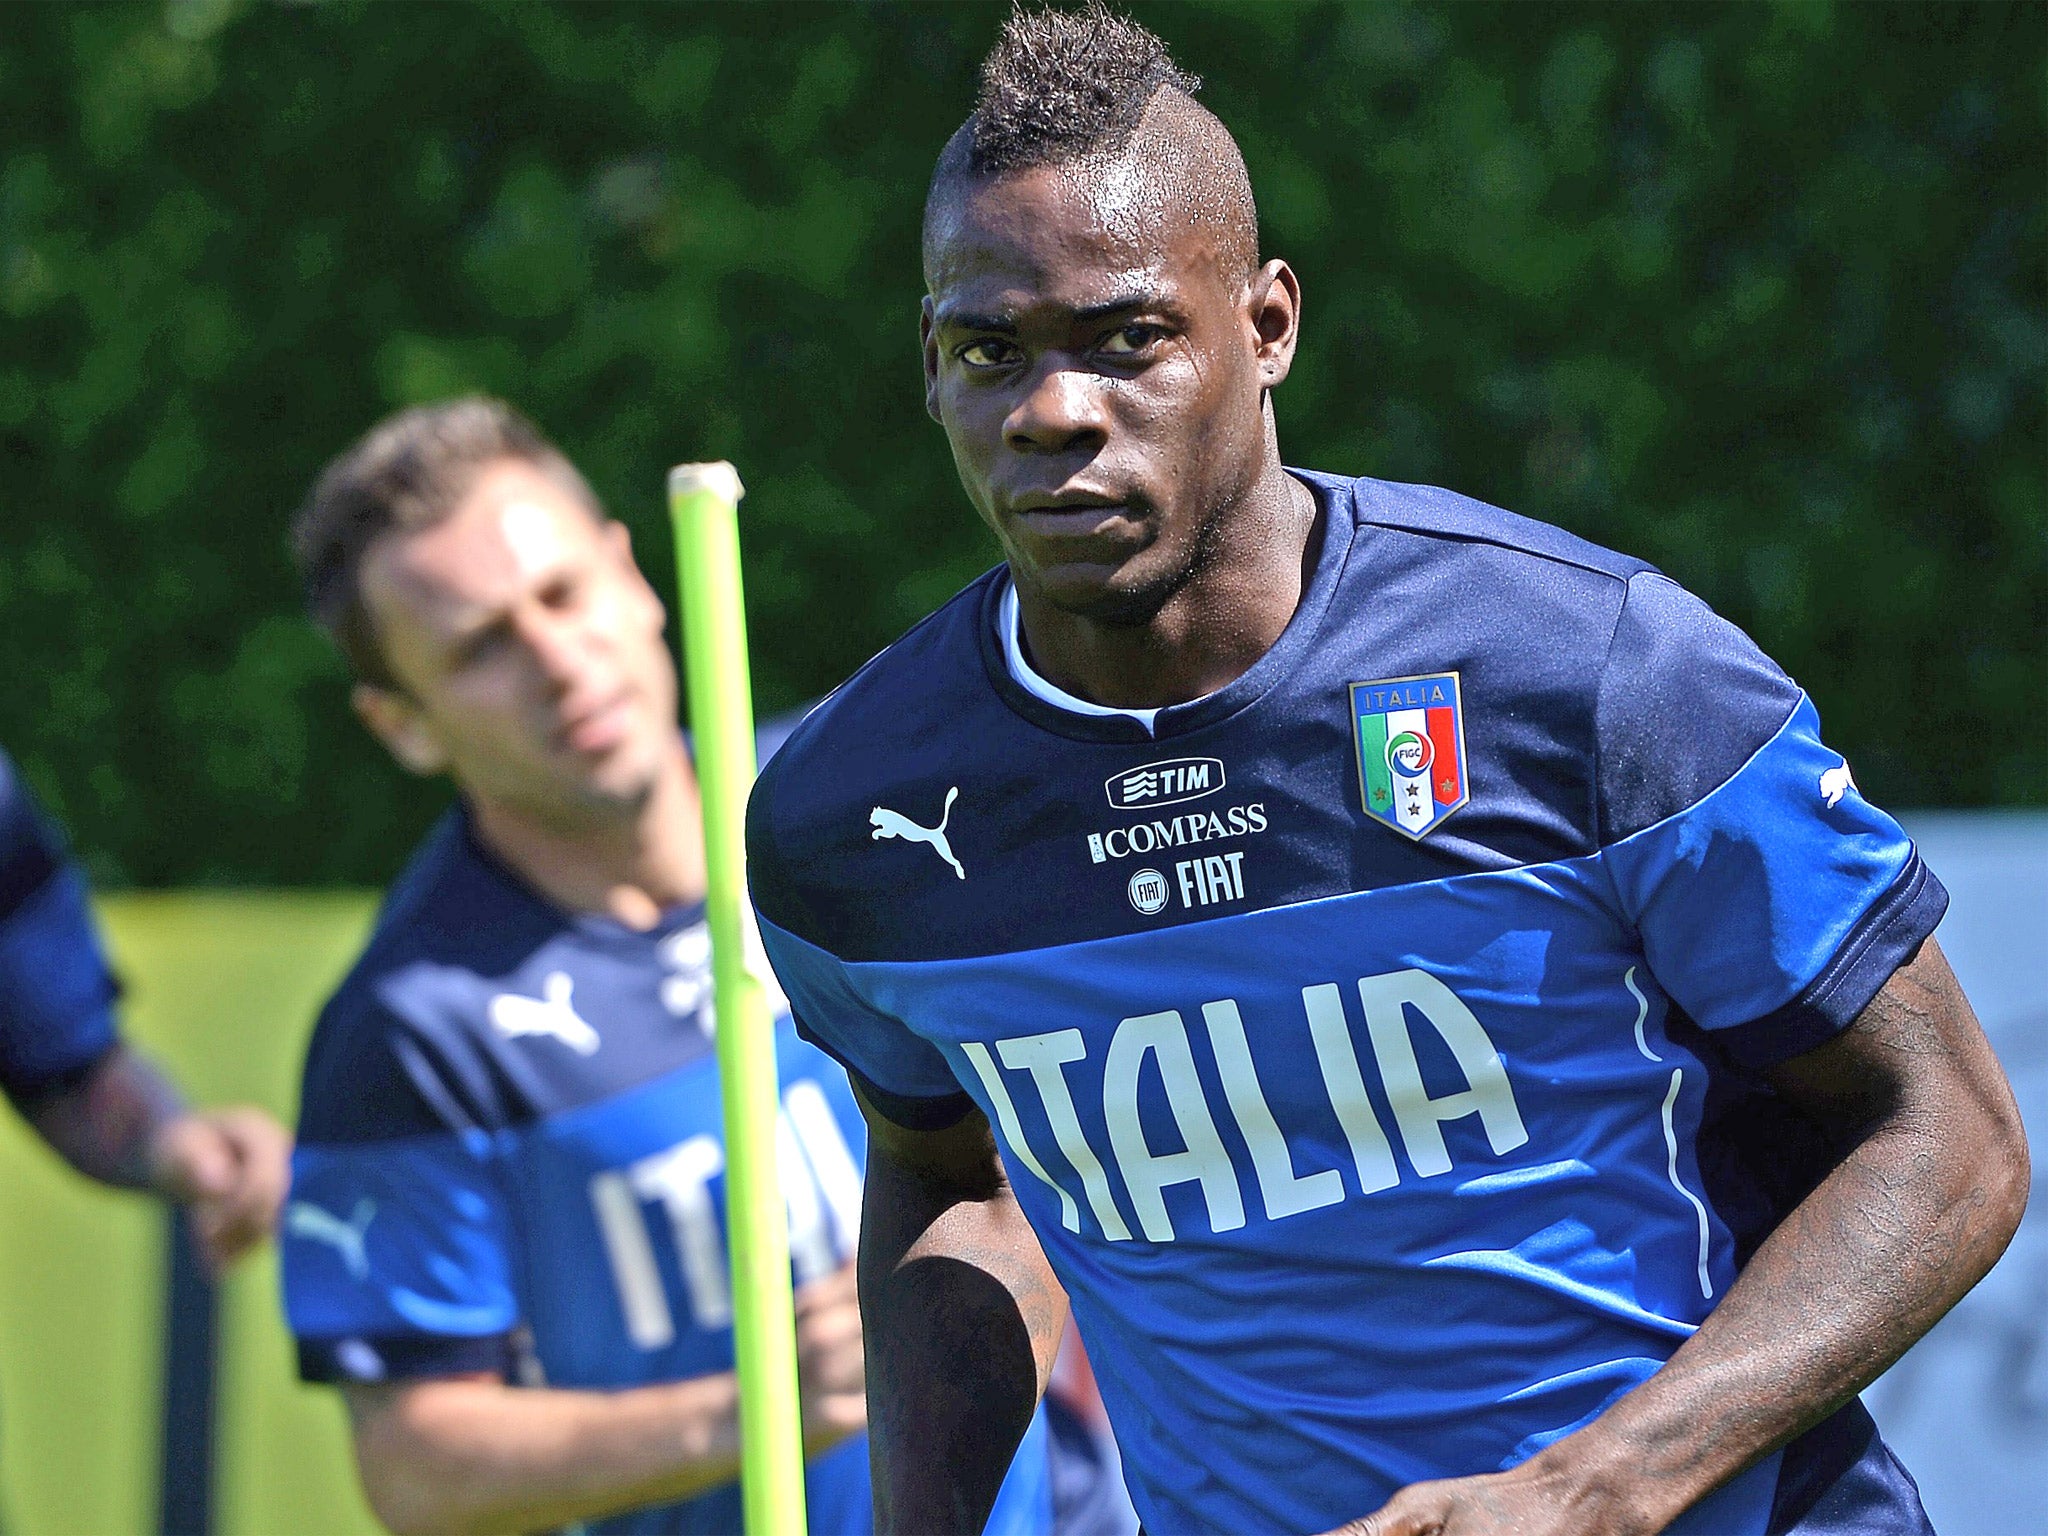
(1059, 409)
(557, 649)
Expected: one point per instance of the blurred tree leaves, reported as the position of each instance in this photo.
(1754, 291)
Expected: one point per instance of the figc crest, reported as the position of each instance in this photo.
(1410, 735)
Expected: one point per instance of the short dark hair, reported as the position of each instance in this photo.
(409, 471)
(1062, 85)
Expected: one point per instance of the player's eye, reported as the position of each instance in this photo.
(1131, 340)
(988, 352)
(476, 648)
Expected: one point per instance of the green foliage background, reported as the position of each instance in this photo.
(1755, 291)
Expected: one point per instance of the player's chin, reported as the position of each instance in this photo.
(620, 779)
(1124, 595)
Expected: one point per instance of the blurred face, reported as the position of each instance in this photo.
(1100, 373)
(528, 649)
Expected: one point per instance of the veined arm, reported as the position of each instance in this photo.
(965, 1315)
(1931, 1180)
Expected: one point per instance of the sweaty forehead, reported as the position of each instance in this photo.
(1066, 236)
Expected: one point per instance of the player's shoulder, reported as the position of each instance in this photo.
(1459, 529)
(398, 1030)
(31, 850)
(1561, 589)
(870, 742)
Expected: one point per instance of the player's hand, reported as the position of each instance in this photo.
(831, 1369)
(1525, 1501)
(230, 1169)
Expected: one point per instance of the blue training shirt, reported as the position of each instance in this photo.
(1377, 1048)
(56, 991)
(510, 1159)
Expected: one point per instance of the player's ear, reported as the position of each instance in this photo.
(618, 542)
(929, 345)
(397, 722)
(1273, 312)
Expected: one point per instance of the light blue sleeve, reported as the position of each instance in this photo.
(397, 1258)
(1773, 907)
(917, 1087)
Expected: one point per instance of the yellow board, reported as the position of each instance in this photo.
(222, 988)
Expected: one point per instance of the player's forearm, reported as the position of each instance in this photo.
(477, 1457)
(106, 1123)
(1915, 1214)
(963, 1318)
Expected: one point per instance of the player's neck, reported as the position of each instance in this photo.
(1209, 633)
(632, 867)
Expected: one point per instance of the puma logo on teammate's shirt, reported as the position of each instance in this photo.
(549, 1014)
(316, 1224)
(1835, 783)
(888, 823)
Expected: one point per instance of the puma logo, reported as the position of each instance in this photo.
(549, 1014)
(888, 823)
(1835, 783)
(318, 1225)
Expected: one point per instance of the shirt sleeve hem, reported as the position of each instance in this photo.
(54, 1080)
(1883, 940)
(914, 1112)
(403, 1357)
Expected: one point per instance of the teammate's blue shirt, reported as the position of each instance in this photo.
(56, 992)
(510, 1159)
(1376, 1044)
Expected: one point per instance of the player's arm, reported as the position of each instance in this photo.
(472, 1454)
(1931, 1180)
(121, 1121)
(964, 1316)
(108, 1111)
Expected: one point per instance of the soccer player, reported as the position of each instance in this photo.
(1466, 1048)
(505, 1238)
(107, 1109)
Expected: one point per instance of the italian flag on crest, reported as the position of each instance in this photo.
(1410, 734)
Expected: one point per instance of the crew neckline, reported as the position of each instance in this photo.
(597, 925)
(1027, 676)
(1053, 709)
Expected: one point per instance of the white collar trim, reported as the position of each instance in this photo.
(1007, 628)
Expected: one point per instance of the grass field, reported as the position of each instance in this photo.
(222, 987)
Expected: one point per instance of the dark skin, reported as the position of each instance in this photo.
(1085, 350)
(1106, 394)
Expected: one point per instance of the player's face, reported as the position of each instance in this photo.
(528, 648)
(1099, 371)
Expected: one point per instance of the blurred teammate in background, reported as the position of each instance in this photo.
(1466, 1047)
(505, 1237)
(108, 1110)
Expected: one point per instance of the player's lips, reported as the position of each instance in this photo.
(599, 728)
(1071, 515)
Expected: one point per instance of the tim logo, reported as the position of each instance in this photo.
(1167, 783)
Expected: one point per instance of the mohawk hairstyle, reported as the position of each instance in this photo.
(1061, 85)
(1066, 87)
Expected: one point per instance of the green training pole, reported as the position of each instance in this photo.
(703, 501)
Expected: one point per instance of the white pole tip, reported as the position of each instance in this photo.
(720, 478)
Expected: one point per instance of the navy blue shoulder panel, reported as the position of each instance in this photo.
(886, 736)
(477, 1005)
(30, 848)
(381, 1066)
(933, 743)
(1685, 699)
(1430, 509)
